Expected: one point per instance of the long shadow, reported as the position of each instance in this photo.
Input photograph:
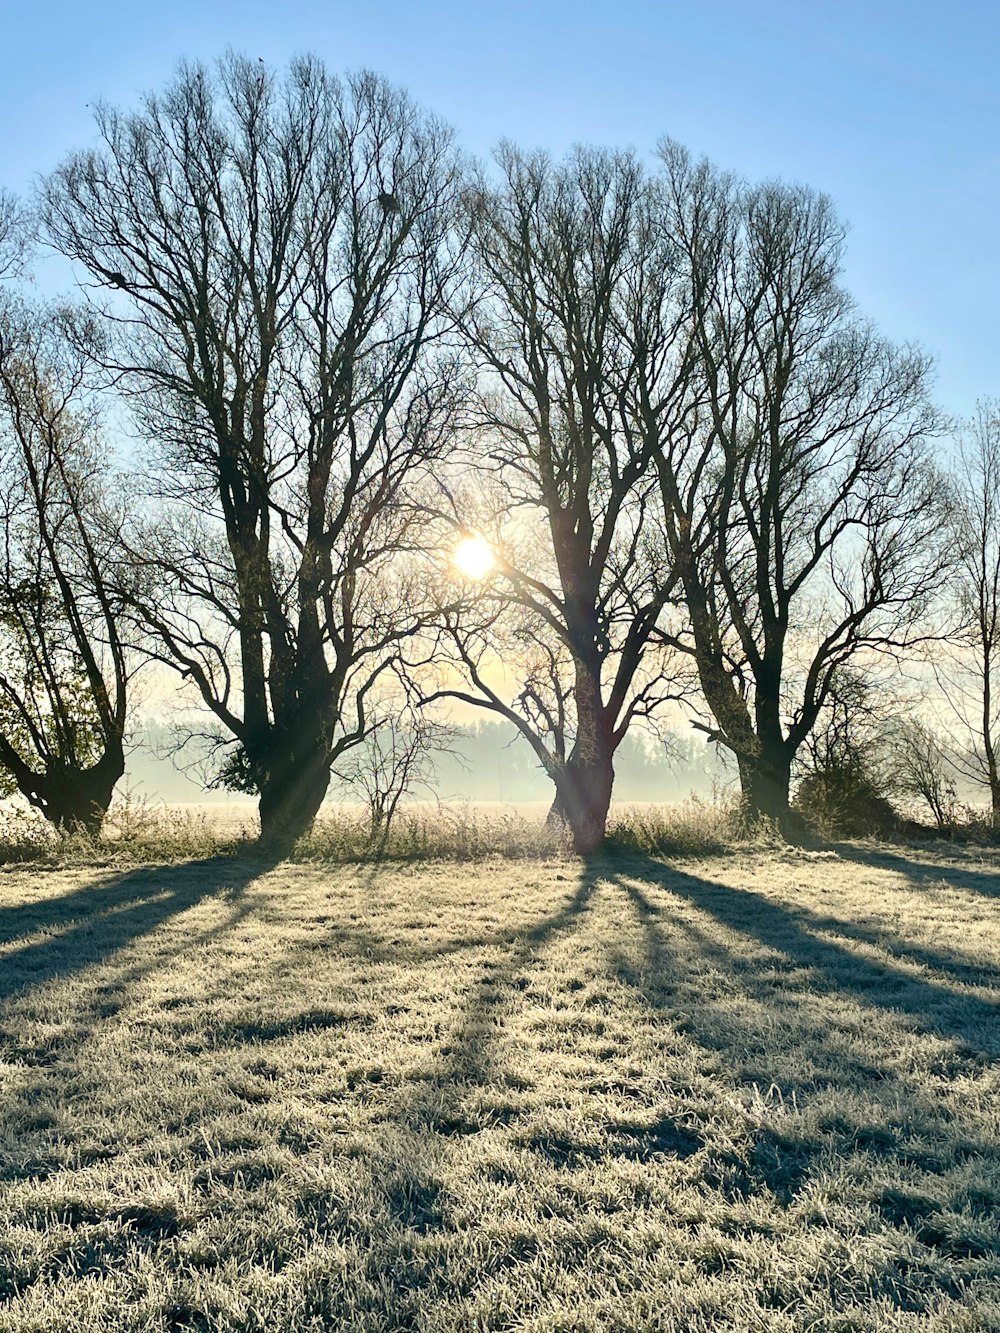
(782, 1163)
(437, 1113)
(434, 1113)
(955, 966)
(102, 894)
(95, 922)
(921, 872)
(799, 934)
(474, 1042)
(357, 941)
(469, 1055)
(887, 1113)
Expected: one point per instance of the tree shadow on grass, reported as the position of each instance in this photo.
(800, 939)
(956, 968)
(472, 1049)
(798, 1002)
(360, 940)
(803, 936)
(923, 871)
(649, 935)
(96, 926)
(800, 1018)
(650, 939)
(87, 926)
(428, 1121)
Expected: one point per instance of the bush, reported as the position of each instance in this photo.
(692, 826)
(844, 800)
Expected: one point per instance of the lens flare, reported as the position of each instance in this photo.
(474, 557)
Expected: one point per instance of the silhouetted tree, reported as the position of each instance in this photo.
(276, 323)
(395, 762)
(801, 511)
(969, 673)
(63, 665)
(845, 767)
(572, 302)
(922, 769)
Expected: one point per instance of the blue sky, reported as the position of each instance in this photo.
(893, 107)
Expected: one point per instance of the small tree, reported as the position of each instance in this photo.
(63, 667)
(395, 761)
(845, 771)
(922, 769)
(969, 672)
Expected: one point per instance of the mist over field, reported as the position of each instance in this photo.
(488, 762)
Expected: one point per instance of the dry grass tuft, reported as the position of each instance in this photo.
(452, 831)
(135, 832)
(687, 827)
(138, 832)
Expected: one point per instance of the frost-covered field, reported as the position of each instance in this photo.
(755, 1091)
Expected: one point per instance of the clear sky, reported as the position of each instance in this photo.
(892, 106)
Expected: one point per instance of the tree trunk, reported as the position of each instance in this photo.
(291, 796)
(76, 800)
(584, 781)
(582, 801)
(765, 779)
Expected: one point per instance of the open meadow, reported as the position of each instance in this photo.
(752, 1090)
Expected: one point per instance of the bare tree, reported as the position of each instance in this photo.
(846, 766)
(572, 301)
(280, 251)
(801, 509)
(15, 234)
(969, 673)
(64, 669)
(922, 769)
(395, 761)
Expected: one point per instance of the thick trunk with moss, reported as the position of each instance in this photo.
(763, 754)
(74, 799)
(584, 782)
(292, 788)
(765, 779)
(582, 802)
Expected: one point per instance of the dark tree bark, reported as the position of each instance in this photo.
(584, 785)
(293, 791)
(765, 780)
(800, 504)
(73, 797)
(64, 672)
(282, 348)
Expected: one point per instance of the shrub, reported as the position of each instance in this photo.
(843, 799)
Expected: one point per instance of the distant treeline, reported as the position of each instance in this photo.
(487, 761)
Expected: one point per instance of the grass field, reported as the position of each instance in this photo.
(754, 1091)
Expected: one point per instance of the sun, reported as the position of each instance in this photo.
(473, 557)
